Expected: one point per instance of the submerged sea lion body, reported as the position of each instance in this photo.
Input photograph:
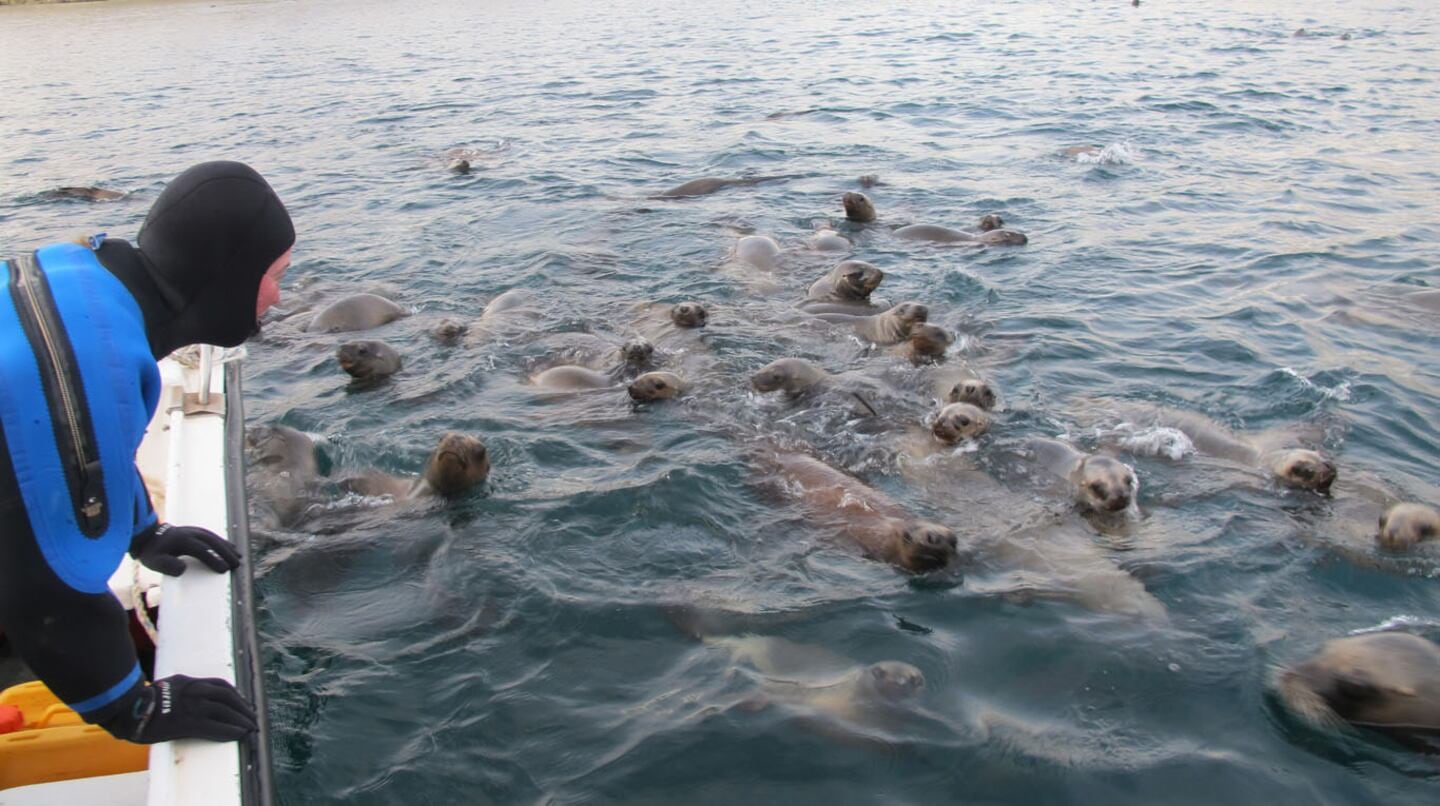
(828, 240)
(1389, 681)
(93, 194)
(865, 516)
(458, 464)
(939, 234)
(760, 251)
(355, 312)
(284, 470)
(891, 327)
(1098, 483)
(569, 377)
(852, 281)
(710, 184)
(369, 360)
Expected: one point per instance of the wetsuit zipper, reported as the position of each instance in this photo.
(55, 357)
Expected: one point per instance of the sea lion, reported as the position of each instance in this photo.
(85, 194)
(636, 353)
(458, 464)
(368, 360)
(818, 681)
(569, 377)
(957, 421)
(1405, 525)
(927, 344)
(1298, 468)
(515, 300)
(710, 184)
(356, 312)
(961, 385)
(869, 180)
(1389, 681)
(449, 331)
(863, 515)
(850, 281)
(1076, 151)
(284, 470)
(760, 251)
(794, 376)
(939, 234)
(689, 314)
(890, 327)
(828, 240)
(991, 222)
(858, 207)
(458, 166)
(1099, 483)
(656, 386)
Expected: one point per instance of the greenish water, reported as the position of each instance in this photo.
(1242, 248)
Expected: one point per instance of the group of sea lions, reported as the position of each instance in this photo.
(1387, 680)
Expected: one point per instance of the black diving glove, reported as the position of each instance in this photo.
(180, 707)
(161, 546)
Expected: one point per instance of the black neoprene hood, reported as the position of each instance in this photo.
(205, 245)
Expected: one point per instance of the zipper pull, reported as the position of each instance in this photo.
(92, 499)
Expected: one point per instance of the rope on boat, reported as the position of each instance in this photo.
(142, 608)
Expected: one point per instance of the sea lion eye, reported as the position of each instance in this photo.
(1303, 472)
(962, 421)
(659, 384)
(1129, 481)
(1097, 488)
(907, 536)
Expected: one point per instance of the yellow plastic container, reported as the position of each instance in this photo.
(57, 745)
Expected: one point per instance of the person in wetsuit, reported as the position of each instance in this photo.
(81, 328)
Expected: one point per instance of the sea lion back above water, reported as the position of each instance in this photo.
(794, 376)
(760, 251)
(710, 184)
(355, 312)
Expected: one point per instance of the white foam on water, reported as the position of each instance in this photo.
(1339, 392)
(1397, 622)
(1121, 153)
(1154, 440)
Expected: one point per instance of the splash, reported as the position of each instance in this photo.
(1401, 622)
(1121, 153)
(1153, 440)
(1340, 391)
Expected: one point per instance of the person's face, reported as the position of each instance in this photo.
(270, 284)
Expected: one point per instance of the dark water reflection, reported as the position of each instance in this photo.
(1243, 247)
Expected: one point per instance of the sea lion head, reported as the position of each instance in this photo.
(459, 463)
(1003, 237)
(858, 207)
(1382, 679)
(1303, 469)
(1105, 484)
(909, 314)
(855, 279)
(790, 374)
(459, 166)
(656, 386)
(930, 341)
(637, 352)
(1404, 525)
(449, 331)
(926, 546)
(893, 681)
(689, 314)
(973, 391)
(991, 221)
(959, 421)
(367, 360)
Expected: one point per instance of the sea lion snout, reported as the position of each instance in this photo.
(689, 314)
(928, 546)
(655, 386)
(959, 421)
(973, 391)
(1404, 525)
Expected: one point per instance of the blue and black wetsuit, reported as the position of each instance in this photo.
(80, 331)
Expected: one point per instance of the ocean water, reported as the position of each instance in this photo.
(1246, 244)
